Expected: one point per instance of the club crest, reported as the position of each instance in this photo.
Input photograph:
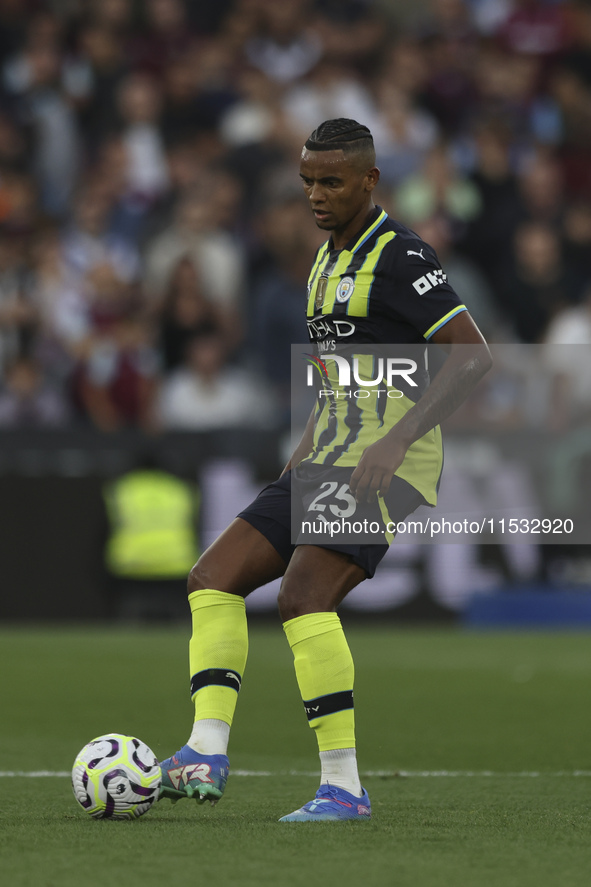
(345, 289)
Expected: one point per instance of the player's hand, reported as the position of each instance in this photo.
(376, 468)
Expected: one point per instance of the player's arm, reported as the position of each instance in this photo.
(304, 448)
(467, 362)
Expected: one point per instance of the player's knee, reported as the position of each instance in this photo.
(289, 606)
(199, 577)
(209, 572)
(293, 601)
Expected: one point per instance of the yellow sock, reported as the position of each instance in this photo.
(217, 652)
(325, 674)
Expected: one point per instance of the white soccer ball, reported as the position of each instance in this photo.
(116, 777)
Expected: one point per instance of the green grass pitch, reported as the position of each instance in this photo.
(475, 749)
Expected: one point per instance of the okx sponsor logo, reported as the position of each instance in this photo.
(429, 280)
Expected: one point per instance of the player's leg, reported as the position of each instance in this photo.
(239, 561)
(315, 583)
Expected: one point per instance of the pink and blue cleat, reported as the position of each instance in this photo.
(332, 804)
(188, 774)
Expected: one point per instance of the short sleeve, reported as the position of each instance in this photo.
(420, 292)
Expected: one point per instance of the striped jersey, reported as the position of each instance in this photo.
(386, 287)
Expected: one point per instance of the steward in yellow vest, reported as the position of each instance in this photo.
(153, 517)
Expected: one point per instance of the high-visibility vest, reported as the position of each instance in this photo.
(153, 519)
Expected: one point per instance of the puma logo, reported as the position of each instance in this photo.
(234, 677)
(411, 252)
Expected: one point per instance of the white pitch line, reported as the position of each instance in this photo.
(384, 774)
(35, 774)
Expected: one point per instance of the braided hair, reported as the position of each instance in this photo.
(342, 134)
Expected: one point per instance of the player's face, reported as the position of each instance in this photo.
(339, 191)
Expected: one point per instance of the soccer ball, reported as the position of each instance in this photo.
(116, 777)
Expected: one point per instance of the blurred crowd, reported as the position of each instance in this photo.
(154, 240)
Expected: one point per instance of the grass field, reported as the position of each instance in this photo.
(475, 748)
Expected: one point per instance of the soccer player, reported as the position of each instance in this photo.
(373, 282)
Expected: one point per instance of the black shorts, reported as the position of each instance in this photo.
(275, 511)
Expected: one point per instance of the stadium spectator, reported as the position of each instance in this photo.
(140, 105)
(251, 119)
(27, 400)
(353, 29)
(206, 394)
(535, 27)
(489, 15)
(538, 284)
(103, 65)
(508, 91)
(19, 209)
(281, 276)
(197, 232)
(181, 117)
(405, 135)
(57, 295)
(17, 315)
(566, 354)
(577, 57)
(116, 382)
(117, 15)
(89, 240)
(215, 72)
(166, 36)
(14, 16)
(31, 79)
(572, 93)
(14, 150)
(489, 234)
(451, 49)
(404, 63)
(437, 188)
(332, 88)
(285, 47)
(187, 313)
(576, 244)
(541, 190)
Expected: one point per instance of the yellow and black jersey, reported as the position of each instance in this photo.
(386, 287)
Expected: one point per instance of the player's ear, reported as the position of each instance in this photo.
(372, 177)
